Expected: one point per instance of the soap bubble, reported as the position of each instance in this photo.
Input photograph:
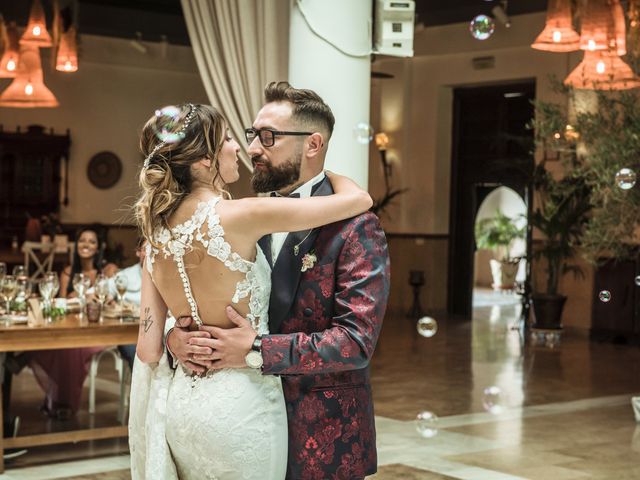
(168, 124)
(492, 400)
(626, 178)
(482, 27)
(604, 296)
(427, 424)
(363, 133)
(638, 280)
(427, 327)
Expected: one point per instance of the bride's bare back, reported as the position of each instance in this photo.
(216, 259)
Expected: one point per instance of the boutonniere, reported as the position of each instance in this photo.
(309, 260)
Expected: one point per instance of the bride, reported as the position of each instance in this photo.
(201, 256)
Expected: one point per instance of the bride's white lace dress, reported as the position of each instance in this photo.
(230, 424)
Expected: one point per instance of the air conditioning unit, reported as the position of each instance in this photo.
(393, 34)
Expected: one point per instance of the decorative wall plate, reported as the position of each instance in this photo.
(104, 170)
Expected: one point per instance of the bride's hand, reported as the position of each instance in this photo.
(345, 186)
(187, 346)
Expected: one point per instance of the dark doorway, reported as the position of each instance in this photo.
(491, 147)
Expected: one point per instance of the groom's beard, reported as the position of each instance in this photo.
(273, 179)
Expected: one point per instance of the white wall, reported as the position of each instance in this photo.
(104, 105)
(415, 107)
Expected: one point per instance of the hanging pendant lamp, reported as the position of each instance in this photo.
(618, 38)
(27, 90)
(601, 70)
(634, 26)
(558, 34)
(67, 58)
(597, 25)
(9, 59)
(36, 32)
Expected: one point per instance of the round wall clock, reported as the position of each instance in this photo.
(104, 170)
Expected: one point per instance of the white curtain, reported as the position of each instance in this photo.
(239, 46)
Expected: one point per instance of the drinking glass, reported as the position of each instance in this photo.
(23, 290)
(81, 283)
(121, 287)
(7, 290)
(19, 271)
(102, 291)
(55, 283)
(46, 291)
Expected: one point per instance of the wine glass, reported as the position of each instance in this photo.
(46, 286)
(121, 287)
(7, 290)
(81, 283)
(102, 291)
(19, 271)
(23, 290)
(55, 283)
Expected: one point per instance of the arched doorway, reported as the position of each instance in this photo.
(510, 204)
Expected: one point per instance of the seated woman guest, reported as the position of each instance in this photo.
(61, 373)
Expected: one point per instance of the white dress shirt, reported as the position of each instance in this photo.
(278, 238)
(134, 284)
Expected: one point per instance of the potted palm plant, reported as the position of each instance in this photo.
(498, 234)
(561, 216)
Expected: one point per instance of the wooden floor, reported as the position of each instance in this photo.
(565, 410)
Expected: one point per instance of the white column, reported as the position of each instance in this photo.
(341, 78)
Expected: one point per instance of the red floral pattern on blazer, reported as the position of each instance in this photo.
(323, 348)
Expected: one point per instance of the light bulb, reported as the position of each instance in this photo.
(67, 65)
(591, 45)
(36, 30)
(28, 89)
(557, 36)
(600, 67)
(11, 65)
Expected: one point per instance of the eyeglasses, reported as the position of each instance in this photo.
(267, 136)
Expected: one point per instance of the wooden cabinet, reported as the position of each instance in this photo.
(30, 174)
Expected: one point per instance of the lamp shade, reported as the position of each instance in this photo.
(601, 70)
(67, 58)
(598, 29)
(618, 41)
(558, 34)
(634, 26)
(11, 52)
(36, 32)
(27, 90)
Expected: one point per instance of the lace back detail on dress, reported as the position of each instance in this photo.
(179, 241)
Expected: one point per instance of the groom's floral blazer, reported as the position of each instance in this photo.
(325, 315)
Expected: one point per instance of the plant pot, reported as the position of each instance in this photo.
(548, 310)
(504, 273)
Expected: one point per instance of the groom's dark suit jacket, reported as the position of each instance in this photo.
(325, 324)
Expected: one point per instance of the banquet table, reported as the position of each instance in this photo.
(71, 331)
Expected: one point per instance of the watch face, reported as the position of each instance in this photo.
(253, 359)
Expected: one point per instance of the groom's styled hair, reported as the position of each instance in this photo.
(309, 109)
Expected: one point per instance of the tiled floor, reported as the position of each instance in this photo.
(565, 413)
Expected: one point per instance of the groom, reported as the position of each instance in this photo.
(329, 294)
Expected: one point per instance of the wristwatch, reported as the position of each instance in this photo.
(253, 359)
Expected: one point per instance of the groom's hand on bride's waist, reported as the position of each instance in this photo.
(189, 347)
(230, 345)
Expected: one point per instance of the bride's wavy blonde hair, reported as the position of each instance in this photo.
(165, 179)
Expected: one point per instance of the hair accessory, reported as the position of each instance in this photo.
(180, 134)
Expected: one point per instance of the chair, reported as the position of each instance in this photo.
(42, 265)
(123, 376)
(44, 262)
